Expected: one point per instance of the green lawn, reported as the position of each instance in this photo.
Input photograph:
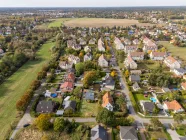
(175, 51)
(150, 65)
(181, 130)
(15, 86)
(139, 97)
(89, 109)
(57, 22)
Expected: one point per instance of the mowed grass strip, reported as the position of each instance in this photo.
(58, 22)
(15, 86)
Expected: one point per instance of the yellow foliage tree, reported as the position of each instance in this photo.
(127, 73)
(43, 122)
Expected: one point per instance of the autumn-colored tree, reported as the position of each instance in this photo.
(89, 78)
(43, 122)
(113, 73)
(127, 73)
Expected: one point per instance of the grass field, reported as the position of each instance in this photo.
(157, 134)
(89, 109)
(139, 97)
(175, 51)
(99, 22)
(15, 86)
(58, 22)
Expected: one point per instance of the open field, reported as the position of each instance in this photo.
(89, 109)
(15, 86)
(99, 22)
(58, 22)
(175, 51)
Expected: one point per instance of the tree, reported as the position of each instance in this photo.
(43, 122)
(113, 73)
(79, 68)
(77, 92)
(59, 124)
(106, 117)
(155, 123)
(178, 118)
(122, 104)
(127, 73)
(89, 78)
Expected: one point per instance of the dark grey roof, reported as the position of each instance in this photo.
(182, 138)
(70, 105)
(135, 78)
(149, 106)
(89, 96)
(98, 132)
(110, 81)
(128, 132)
(45, 107)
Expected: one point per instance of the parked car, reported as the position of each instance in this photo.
(26, 125)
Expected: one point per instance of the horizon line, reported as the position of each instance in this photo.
(90, 6)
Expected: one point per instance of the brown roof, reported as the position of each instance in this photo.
(67, 85)
(107, 99)
(173, 105)
(171, 59)
(137, 54)
(158, 54)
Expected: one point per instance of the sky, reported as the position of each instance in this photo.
(89, 3)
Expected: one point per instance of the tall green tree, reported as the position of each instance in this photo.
(59, 124)
(106, 117)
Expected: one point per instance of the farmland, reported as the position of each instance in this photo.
(15, 86)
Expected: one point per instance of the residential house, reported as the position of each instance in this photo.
(135, 72)
(70, 77)
(89, 96)
(183, 85)
(102, 61)
(128, 133)
(130, 63)
(109, 82)
(87, 49)
(147, 106)
(129, 49)
(173, 106)
(134, 78)
(92, 41)
(135, 41)
(127, 42)
(71, 43)
(70, 105)
(149, 45)
(65, 65)
(82, 41)
(98, 133)
(46, 107)
(73, 59)
(67, 87)
(137, 55)
(160, 56)
(178, 72)
(1, 52)
(87, 57)
(76, 47)
(165, 90)
(136, 86)
(101, 46)
(8, 31)
(172, 63)
(119, 45)
(107, 101)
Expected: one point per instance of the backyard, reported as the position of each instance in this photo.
(15, 86)
(154, 135)
(89, 109)
(138, 97)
